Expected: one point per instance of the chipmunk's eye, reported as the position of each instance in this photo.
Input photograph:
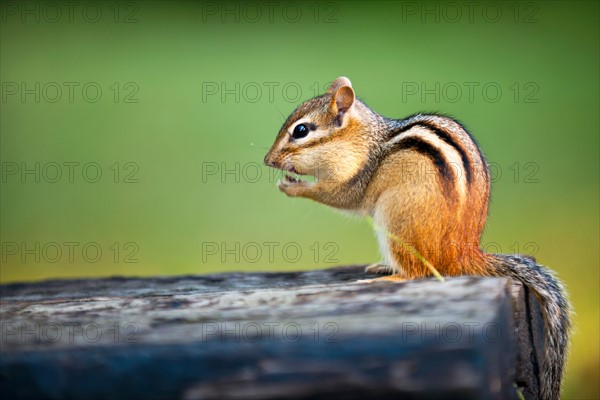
(300, 131)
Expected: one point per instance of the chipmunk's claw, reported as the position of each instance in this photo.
(378, 268)
(381, 269)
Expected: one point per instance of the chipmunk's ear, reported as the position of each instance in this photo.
(342, 95)
(339, 82)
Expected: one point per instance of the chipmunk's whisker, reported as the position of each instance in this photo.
(283, 117)
(255, 145)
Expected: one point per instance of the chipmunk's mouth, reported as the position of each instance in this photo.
(293, 176)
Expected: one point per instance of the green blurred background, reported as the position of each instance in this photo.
(192, 95)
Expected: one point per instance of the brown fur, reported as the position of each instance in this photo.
(404, 185)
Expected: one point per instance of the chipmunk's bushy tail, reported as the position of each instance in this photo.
(556, 310)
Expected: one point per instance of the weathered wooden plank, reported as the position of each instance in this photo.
(529, 337)
(266, 335)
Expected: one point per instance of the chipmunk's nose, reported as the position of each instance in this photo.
(270, 161)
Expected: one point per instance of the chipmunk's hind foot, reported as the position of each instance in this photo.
(387, 278)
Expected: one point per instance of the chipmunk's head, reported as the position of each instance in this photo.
(323, 138)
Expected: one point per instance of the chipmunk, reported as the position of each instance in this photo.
(426, 184)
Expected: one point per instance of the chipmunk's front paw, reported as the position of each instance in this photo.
(294, 188)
